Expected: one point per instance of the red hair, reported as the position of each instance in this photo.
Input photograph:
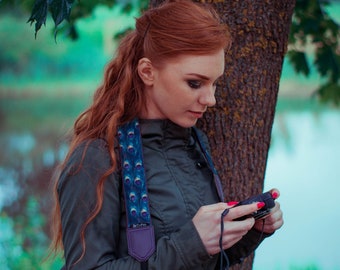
(170, 30)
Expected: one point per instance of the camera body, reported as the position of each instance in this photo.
(265, 210)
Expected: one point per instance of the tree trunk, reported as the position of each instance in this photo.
(239, 126)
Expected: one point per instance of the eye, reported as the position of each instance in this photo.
(194, 84)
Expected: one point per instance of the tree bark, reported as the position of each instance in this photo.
(239, 126)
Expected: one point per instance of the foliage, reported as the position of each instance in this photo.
(60, 10)
(313, 29)
(23, 242)
(41, 64)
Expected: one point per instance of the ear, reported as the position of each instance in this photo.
(146, 71)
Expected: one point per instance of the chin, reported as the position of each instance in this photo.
(186, 123)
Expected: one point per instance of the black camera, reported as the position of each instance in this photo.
(265, 210)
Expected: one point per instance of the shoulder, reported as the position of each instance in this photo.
(87, 163)
(89, 152)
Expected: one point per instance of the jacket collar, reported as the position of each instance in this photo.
(161, 131)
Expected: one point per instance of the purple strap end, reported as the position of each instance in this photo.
(141, 242)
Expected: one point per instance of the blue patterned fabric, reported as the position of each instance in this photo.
(134, 182)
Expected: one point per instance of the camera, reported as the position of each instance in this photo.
(265, 210)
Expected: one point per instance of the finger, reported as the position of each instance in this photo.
(243, 210)
(275, 217)
(275, 214)
(272, 211)
(216, 207)
(232, 203)
(230, 241)
(241, 225)
(272, 227)
(235, 230)
(275, 193)
(276, 208)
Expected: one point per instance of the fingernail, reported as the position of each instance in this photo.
(275, 195)
(232, 203)
(260, 205)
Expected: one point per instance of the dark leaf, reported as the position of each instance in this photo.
(60, 10)
(39, 14)
(73, 33)
(299, 62)
(330, 92)
(327, 63)
(69, 30)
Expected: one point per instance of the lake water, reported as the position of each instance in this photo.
(304, 163)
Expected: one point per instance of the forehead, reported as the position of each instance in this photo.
(210, 65)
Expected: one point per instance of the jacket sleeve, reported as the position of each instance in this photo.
(77, 198)
(182, 249)
(242, 249)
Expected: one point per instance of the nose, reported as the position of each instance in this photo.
(207, 97)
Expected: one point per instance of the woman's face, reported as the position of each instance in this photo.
(182, 88)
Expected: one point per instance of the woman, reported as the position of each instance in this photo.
(164, 75)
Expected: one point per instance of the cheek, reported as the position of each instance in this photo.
(180, 97)
(172, 90)
(168, 89)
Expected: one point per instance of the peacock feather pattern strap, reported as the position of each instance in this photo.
(140, 233)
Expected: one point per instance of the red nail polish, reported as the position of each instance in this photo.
(260, 205)
(232, 203)
(275, 195)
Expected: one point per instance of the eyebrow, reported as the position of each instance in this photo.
(203, 77)
(199, 75)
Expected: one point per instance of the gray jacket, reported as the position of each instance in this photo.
(179, 182)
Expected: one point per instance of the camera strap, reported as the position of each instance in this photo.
(140, 232)
(210, 163)
(224, 260)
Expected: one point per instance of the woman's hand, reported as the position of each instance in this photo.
(208, 224)
(274, 220)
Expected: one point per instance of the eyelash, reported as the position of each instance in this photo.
(194, 84)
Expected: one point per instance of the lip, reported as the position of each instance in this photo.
(196, 114)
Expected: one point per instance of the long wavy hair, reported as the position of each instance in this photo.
(172, 29)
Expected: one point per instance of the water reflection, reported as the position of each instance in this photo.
(22, 143)
(26, 165)
(53, 156)
(8, 189)
(20, 162)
